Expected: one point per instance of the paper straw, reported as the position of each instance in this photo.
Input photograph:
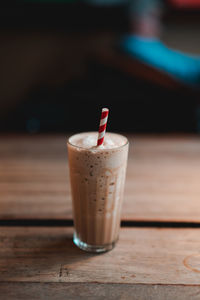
(102, 126)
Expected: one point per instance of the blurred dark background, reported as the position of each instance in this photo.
(58, 69)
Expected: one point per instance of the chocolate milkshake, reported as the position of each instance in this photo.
(97, 177)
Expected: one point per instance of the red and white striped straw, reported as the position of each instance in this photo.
(102, 126)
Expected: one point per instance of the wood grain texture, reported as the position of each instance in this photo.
(142, 256)
(162, 178)
(84, 291)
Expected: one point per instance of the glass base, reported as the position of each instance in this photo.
(92, 248)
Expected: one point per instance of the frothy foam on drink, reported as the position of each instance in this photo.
(88, 140)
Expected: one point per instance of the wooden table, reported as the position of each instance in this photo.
(158, 254)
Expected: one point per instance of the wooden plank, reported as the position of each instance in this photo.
(84, 291)
(162, 178)
(142, 256)
(34, 177)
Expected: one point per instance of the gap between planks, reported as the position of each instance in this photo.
(69, 223)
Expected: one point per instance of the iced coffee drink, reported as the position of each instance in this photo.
(97, 177)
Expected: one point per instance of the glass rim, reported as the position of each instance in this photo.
(94, 149)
